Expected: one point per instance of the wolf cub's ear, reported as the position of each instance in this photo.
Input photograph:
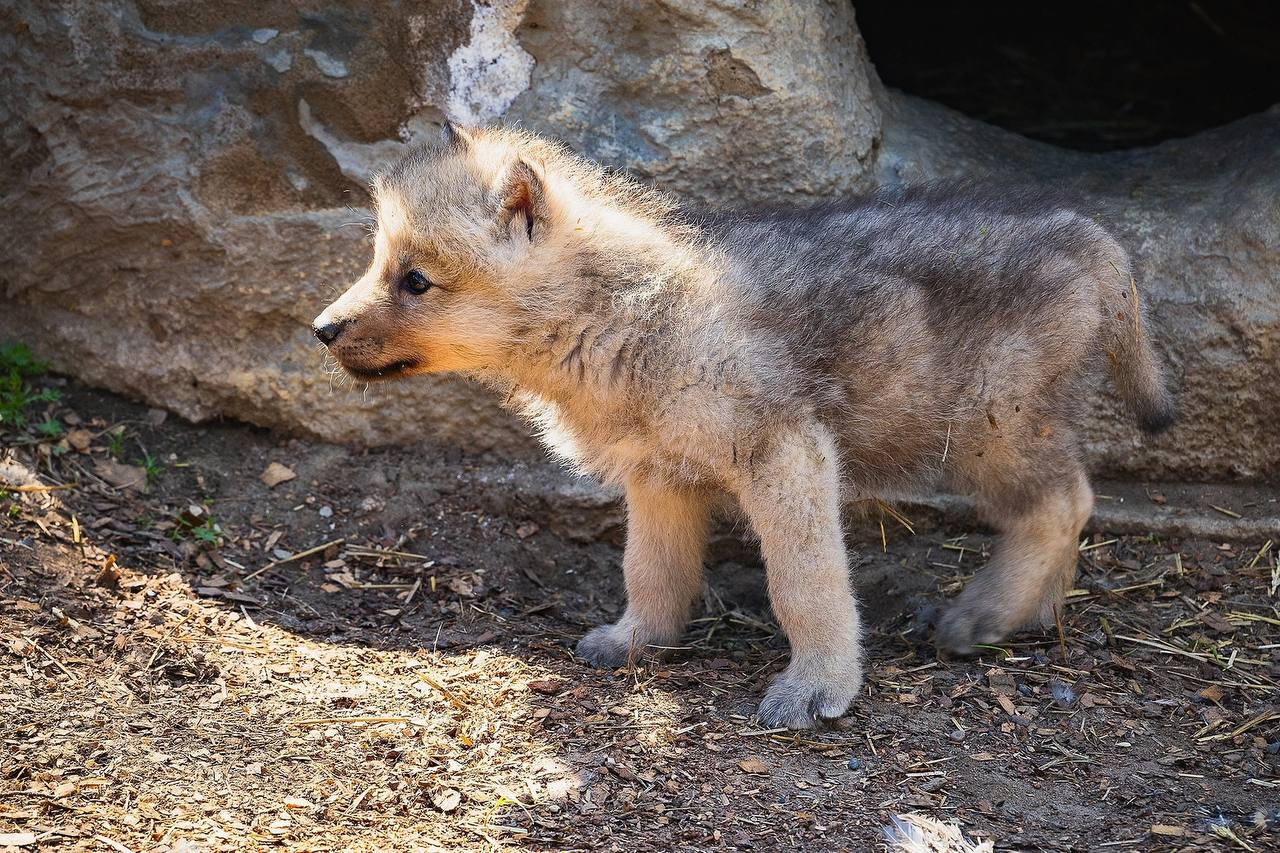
(523, 197)
(454, 137)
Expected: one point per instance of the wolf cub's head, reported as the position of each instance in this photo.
(469, 239)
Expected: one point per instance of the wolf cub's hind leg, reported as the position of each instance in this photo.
(662, 568)
(791, 496)
(1039, 510)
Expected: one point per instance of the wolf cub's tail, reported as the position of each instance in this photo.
(1135, 368)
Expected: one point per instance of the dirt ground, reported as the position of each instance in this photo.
(376, 654)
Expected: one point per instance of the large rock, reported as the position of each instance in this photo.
(183, 187)
(176, 210)
(723, 103)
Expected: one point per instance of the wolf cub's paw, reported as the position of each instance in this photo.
(608, 646)
(797, 701)
(970, 621)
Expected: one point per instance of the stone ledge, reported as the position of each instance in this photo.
(579, 509)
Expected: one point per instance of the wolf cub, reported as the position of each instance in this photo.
(790, 360)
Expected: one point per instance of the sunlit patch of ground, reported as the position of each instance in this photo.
(400, 675)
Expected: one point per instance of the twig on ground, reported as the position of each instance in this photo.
(275, 564)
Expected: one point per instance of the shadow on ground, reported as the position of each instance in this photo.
(402, 676)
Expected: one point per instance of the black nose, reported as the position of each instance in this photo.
(328, 333)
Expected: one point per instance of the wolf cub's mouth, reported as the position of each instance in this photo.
(388, 371)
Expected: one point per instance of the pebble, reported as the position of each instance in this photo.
(854, 763)
(326, 511)
(956, 736)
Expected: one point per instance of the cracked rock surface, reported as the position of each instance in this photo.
(183, 188)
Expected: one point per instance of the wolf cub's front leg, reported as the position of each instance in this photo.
(662, 568)
(790, 491)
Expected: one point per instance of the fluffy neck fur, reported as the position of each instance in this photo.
(634, 310)
(625, 270)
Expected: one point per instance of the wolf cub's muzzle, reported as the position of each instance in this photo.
(327, 330)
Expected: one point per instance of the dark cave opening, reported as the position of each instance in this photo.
(1093, 76)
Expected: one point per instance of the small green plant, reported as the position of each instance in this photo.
(17, 366)
(206, 534)
(151, 465)
(50, 427)
(198, 527)
(115, 442)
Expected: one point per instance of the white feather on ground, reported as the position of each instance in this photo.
(918, 833)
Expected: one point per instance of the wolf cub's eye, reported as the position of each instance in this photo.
(415, 282)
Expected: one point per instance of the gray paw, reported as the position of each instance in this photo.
(608, 646)
(968, 622)
(796, 703)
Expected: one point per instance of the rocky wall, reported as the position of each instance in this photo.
(183, 188)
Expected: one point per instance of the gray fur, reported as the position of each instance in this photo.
(902, 319)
